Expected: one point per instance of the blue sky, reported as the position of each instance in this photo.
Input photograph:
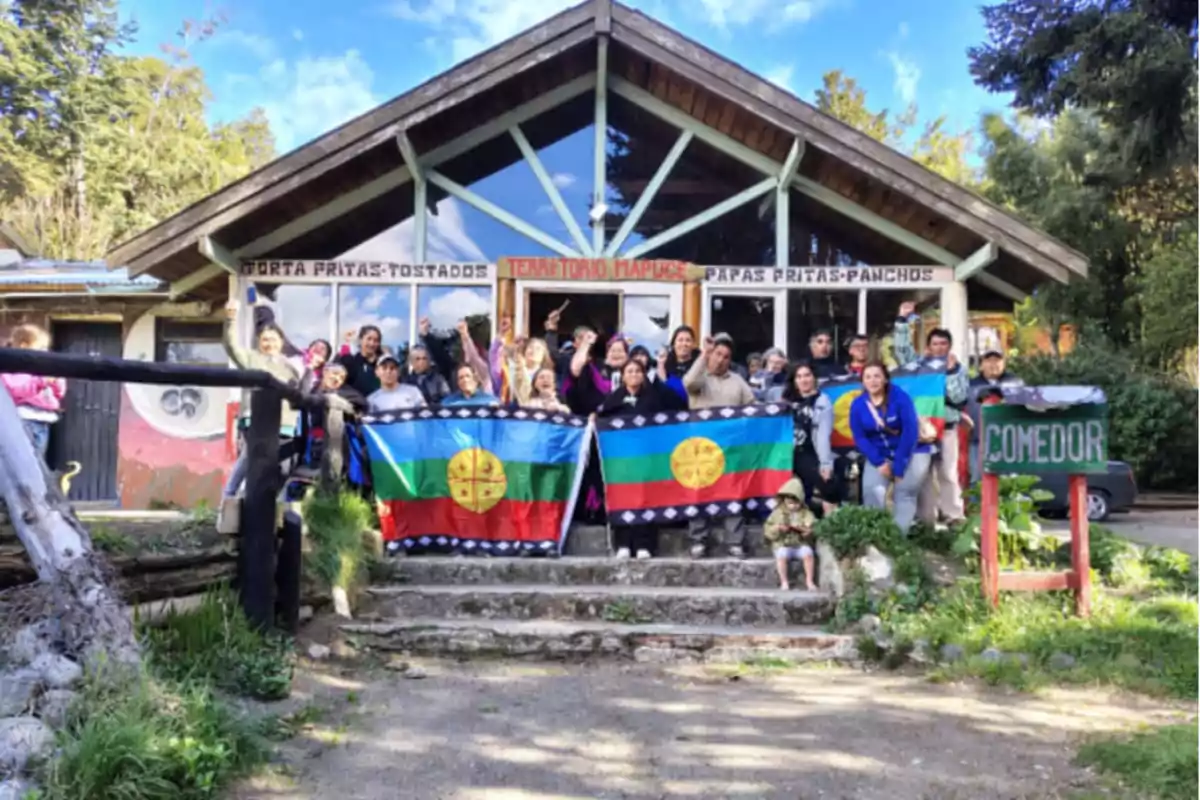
(312, 65)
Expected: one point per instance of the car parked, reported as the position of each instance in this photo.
(1113, 491)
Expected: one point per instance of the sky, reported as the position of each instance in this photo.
(312, 65)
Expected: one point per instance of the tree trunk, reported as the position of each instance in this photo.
(91, 617)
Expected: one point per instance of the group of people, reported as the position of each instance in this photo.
(898, 454)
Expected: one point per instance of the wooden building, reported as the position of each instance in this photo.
(718, 200)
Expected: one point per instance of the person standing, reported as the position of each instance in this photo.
(360, 366)
(992, 375)
(38, 399)
(884, 422)
(813, 461)
(709, 383)
(822, 357)
(392, 395)
(946, 496)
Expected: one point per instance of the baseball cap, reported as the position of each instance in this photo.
(992, 352)
(387, 358)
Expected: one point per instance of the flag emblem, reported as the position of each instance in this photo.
(697, 462)
(477, 480)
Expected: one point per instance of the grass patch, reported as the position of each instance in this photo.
(1159, 763)
(1147, 644)
(167, 732)
(339, 556)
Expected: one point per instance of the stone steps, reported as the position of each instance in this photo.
(636, 604)
(580, 640)
(673, 542)
(583, 571)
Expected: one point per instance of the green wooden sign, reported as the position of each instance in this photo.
(1069, 440)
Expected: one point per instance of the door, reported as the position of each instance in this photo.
(756, 320)
(87, 432)
(645, 312)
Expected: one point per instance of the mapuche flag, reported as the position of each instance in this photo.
(476, 479)
(926, 385)
(675, 466)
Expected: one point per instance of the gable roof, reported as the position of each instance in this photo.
(350, 184)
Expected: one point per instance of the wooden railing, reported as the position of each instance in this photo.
(268, 572)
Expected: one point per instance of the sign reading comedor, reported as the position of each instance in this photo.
(1019, 440)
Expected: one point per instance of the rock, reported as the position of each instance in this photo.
(1020, 659)
(16, 790)
(17, 690)
(878, 568)
(950, 653)
(306, 613)
(58, 672)
(922, 652)
(54, 705)
(1060, 661)
(31, 641)
(415, 673)
(991, 655)
(318, 652)
(396, 666)
(21, 740)
(868, 624)
(829, 572)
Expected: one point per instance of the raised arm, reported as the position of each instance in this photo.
(693, 379)
(580, 358)
(472, 356)
(902, 347)
(822, 441)
(239, 355)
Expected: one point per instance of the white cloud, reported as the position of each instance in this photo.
(446, 239)
(781, 76)
(640, 325)
(906, 74)
(563, 179)
(297, 34)
(261, 47)
(303, 312)
(311, 96)
(386, 309)
(469, 26)
(724, 14)
(445, 310)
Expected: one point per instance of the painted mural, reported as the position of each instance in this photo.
(172, 446)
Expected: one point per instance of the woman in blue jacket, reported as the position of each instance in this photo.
(884, 422)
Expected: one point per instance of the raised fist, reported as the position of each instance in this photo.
(552, 320)
(589, 338)
(708, 345)
(907, 308)
(231, 308)
(505, 325)
(349, 336)
(462, 329)
(423, 326)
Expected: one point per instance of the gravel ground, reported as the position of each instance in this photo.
(510, 731)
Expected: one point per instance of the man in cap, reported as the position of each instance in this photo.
(392, 395)
(992, 376)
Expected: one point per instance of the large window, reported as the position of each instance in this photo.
(302, 312)
(749, 319)
(388, 308)
(179, 341)
(811, 310)
(647, 321)
(444, 306)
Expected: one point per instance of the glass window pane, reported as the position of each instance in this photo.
(749, 320)
(882, 307)
(385, 307)
(812, 310)
(301, 311)
(444, 306)
(194, 353)
(648, 321)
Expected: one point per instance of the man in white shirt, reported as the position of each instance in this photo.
(392, 395)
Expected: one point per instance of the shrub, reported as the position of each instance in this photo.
(336, 523)
(1152, 417)
(1021, 540)
(1160, 763)
(852, 529)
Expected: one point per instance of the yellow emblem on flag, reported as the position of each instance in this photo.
(477, 480)
(697, 463)
(841, 413)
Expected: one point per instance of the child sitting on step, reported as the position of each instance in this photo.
(789, 532)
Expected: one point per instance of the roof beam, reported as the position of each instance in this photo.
(220, 262)
(556, 200)
(390, 180)
(648, 194)
(1000, 287)
(409, 154)
(976, 262)
(499, 214)
(600, 146)
(708, 215)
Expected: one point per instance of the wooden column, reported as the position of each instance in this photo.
(692, 305)
(256, 548)
(506, 299)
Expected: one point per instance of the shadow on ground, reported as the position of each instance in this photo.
(512, 731)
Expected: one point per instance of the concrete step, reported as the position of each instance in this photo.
(560, 640)
(583, 571)
(673, 542)
(629, 604)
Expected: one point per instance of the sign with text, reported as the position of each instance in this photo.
(598, 269)
(1070, 440)
(835, 277)
(305, 271)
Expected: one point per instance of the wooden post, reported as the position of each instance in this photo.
(989, 537)
(1081, 562)
(287, 573)
(692, 305)
(256, 549)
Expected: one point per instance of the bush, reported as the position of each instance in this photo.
(1152, 417)
(1161, 763)
(852, 529)
(1022, 543)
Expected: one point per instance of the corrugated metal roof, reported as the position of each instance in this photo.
(47, 272)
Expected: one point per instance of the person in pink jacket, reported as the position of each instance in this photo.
(38, 399)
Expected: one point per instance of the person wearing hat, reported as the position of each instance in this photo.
(392, 395)
(992, 377)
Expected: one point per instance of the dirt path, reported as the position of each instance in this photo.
(505, 731)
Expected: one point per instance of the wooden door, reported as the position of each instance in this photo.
(87, 432)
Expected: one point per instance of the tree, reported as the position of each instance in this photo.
(1131, 62)
(99, 146)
